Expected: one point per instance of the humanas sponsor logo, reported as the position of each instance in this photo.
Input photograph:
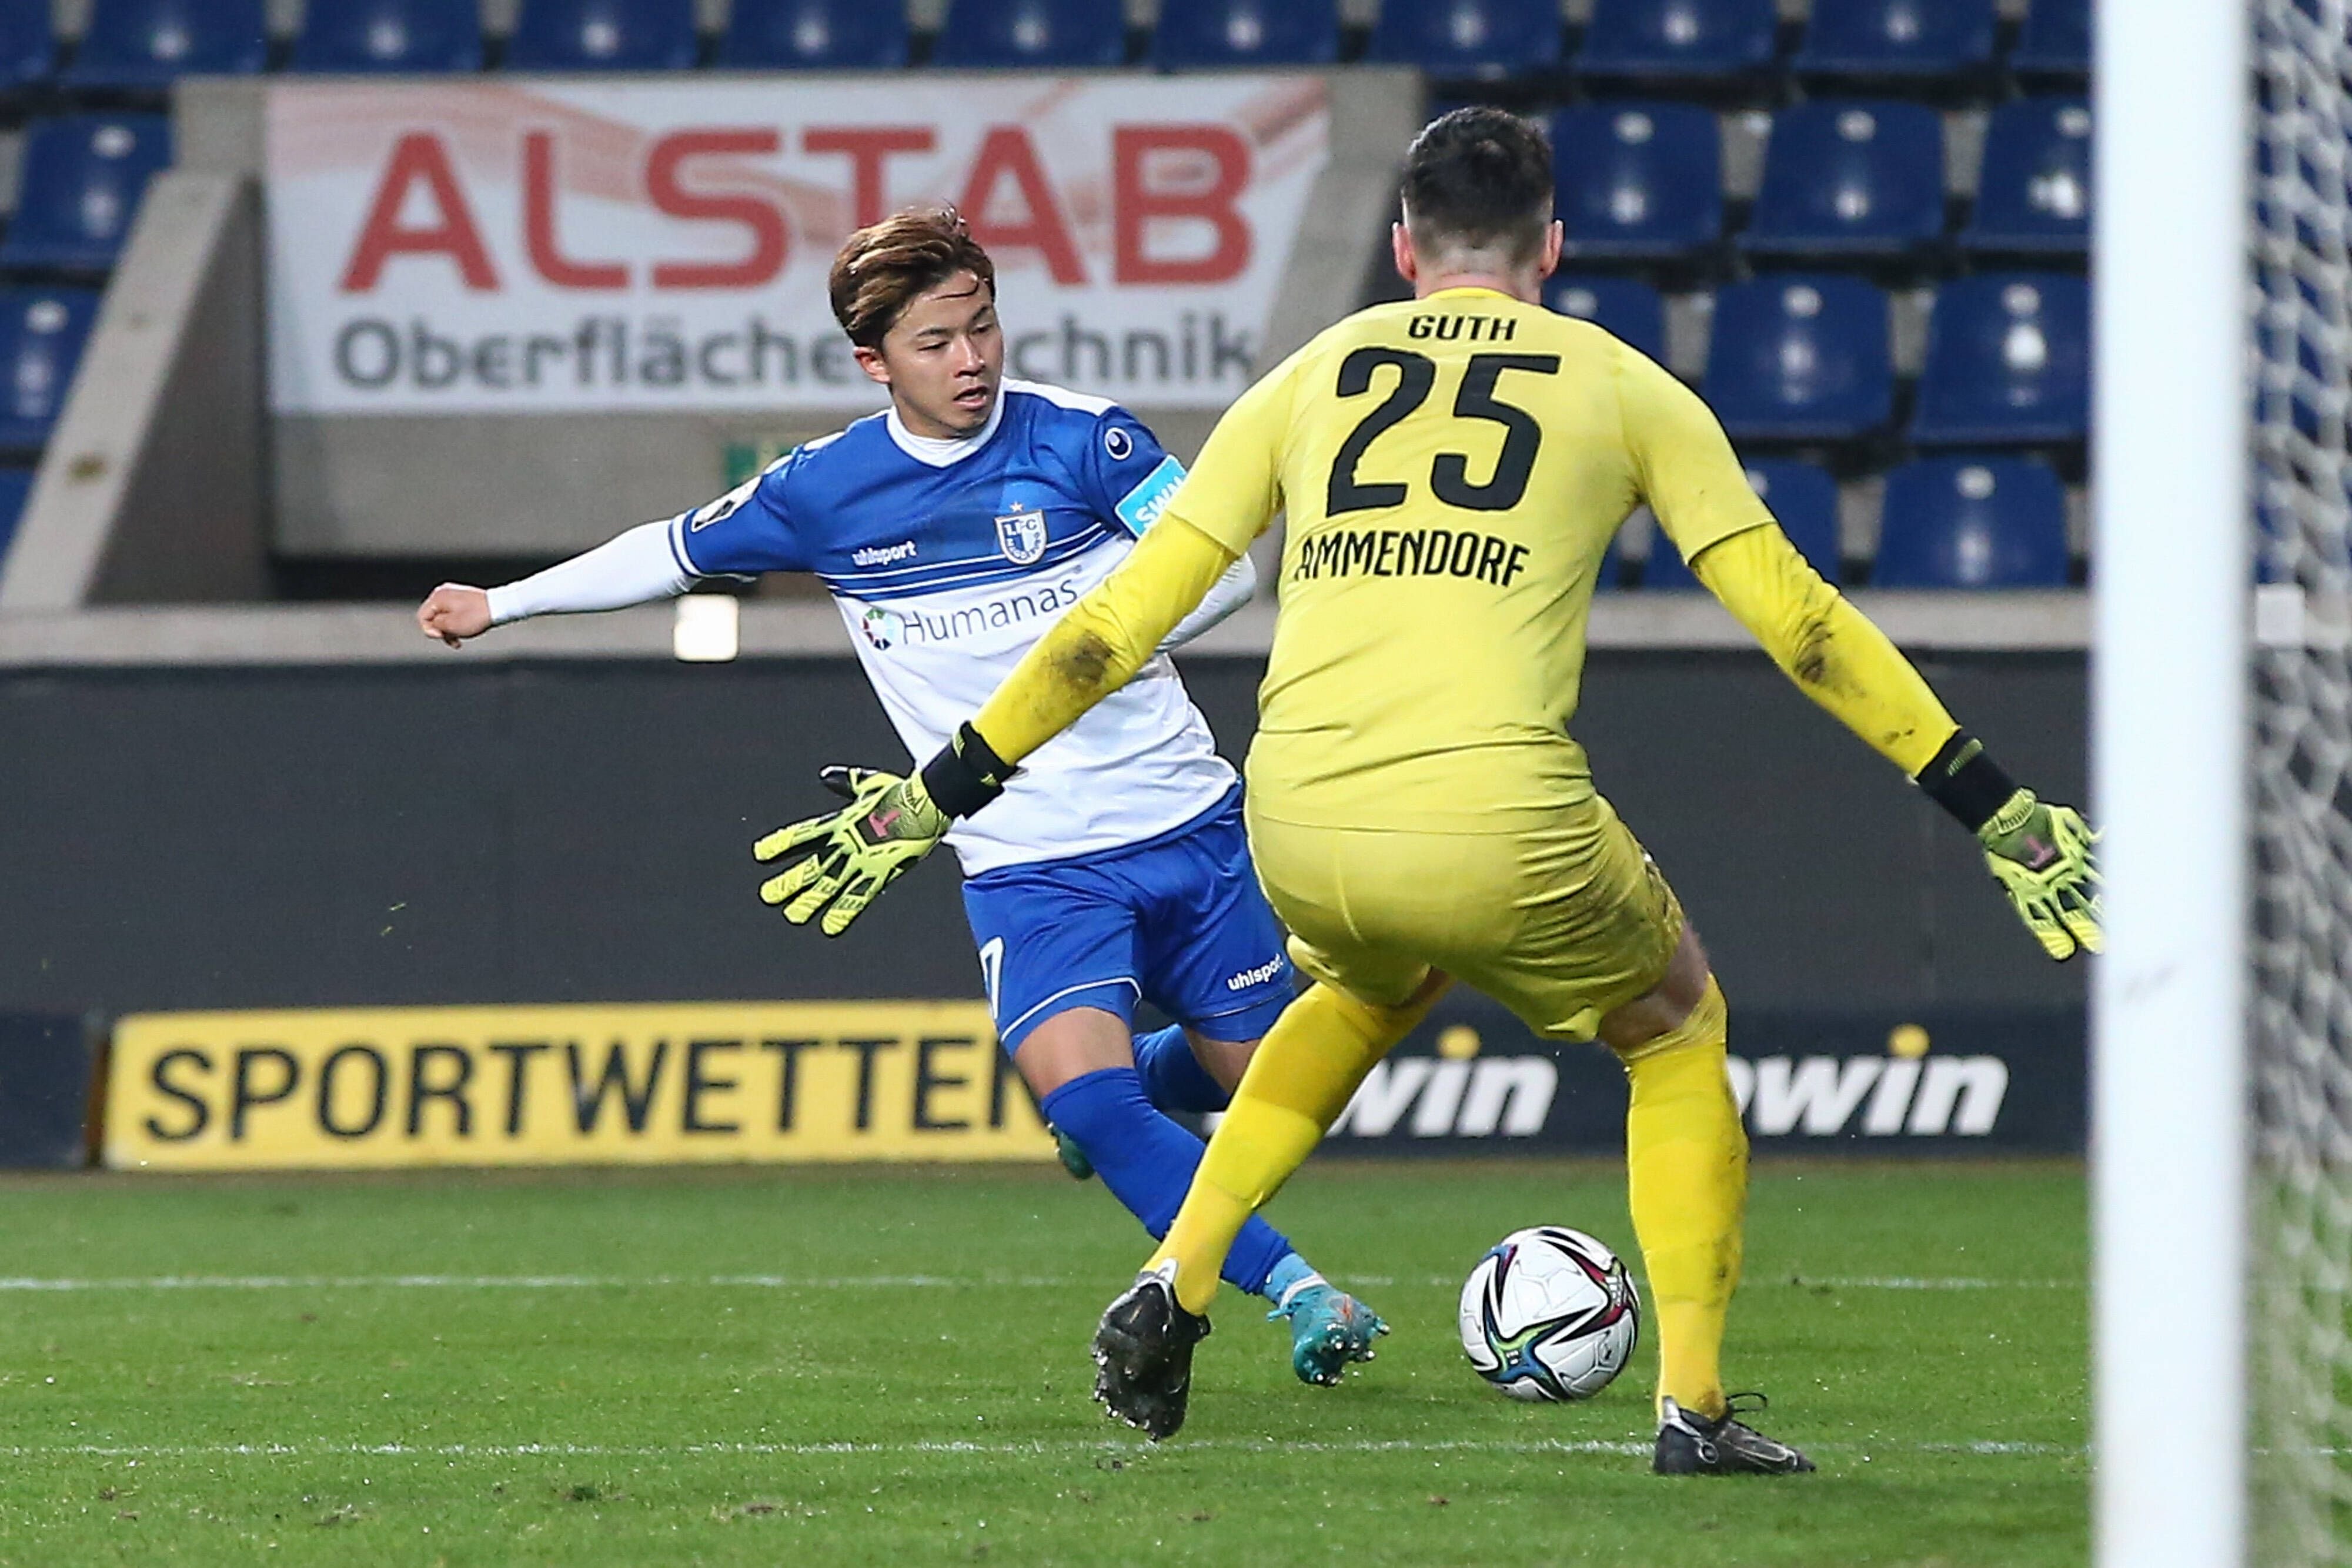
(883, 555)
(1257, 977)
(889, 627)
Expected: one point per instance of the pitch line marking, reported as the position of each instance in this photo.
(1041, 1448)
(34, 1285)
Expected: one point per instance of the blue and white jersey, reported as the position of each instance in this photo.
(948, 559)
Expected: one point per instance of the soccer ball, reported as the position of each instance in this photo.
(1550, 1313)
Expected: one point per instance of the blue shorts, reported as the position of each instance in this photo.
(1177, 921)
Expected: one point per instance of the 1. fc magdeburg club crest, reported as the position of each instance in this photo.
(1021, 537)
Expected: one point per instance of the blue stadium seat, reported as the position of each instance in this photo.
(1850, 179)
(1972, 522)
(2008, 360)
(1805, 500)
(42, 331)
(83, 176)
(148, 43)
(815, 35)
(2035, 191)
(1800, 358)
(1626, 307)
(604, 36)
(1897, 37)
(1036, 33)
(418, 36)
(2056, 39)
(1210, 34)
(1457, 38)
(15, 489)
(1680, 39)
(1638, 180)
(29, 51)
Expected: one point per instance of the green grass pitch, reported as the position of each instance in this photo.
(888, 1366)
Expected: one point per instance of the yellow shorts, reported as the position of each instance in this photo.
(1563, 923)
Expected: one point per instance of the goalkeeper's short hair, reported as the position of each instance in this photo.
(1479, 178)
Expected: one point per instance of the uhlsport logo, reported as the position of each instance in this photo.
(1021, 537)
(883, 555)
(881, 627)
(1257, 977)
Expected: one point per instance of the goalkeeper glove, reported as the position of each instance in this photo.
(890, 823)
(2040, 854)
(2042, 857)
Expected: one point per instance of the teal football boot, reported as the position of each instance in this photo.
(1328, 1329)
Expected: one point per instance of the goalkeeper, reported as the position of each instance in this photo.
(1453, 468)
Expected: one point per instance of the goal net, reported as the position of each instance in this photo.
(2300, 1039)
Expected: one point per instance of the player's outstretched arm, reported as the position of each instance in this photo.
(638, 566)
(2040, 853)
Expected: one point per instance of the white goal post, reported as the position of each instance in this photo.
(2171, 572)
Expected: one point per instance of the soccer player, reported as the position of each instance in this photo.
(953, 529)
(1453, 468)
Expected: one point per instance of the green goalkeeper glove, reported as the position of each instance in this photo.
(2042, 857)
(889, 823)
(856, 852)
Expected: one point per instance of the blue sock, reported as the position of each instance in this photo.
(1173, 1078)
(1287, 1276)
(1148, 1162)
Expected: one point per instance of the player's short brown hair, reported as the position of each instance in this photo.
(885, 266)
(1479, 178)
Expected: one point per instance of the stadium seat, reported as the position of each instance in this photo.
(1805, 500)
(814, 35)
(2056, 39)
(148, 43)
(1626, 307)
(1896, 38)
(1680, 39)
(42, 331)
(2008, 360)
(1850, 179)
(1800, 358)
(15, 489)
(1638, 181)
(416, 36)
(1457, 38)
(83, 176)
(28, 50)
(1035, 33)
(1212, 34)
(1972, 522)
(2035, 191)
(604, 36)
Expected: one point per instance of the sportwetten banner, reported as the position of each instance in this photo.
(565, 1085)
(552, 245)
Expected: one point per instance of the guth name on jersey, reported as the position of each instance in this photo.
(1467, 328)
(1409, 553)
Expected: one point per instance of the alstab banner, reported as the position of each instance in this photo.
(634, 1085)
(560, 245)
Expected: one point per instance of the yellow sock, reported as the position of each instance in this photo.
(1687, 1162)
(1297, 1083)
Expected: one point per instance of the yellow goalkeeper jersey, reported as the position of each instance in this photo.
(1453, 469)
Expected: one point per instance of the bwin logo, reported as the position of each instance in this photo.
(1507, 1096)
(1818, 1096)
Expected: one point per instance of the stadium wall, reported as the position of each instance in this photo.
(209, 834)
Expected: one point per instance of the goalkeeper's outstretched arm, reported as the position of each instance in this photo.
(2040, 854)
(636, 567)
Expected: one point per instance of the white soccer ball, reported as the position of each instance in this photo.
(1550, 1313)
